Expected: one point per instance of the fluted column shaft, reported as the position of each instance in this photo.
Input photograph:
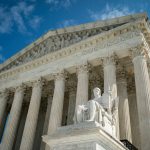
(110, 75)
(11, 128)
(134, 118)
(57, 103)
(32, 117)
(3, 103)
(82, 85)
(142, 83)
(109, 65)
(124, 116)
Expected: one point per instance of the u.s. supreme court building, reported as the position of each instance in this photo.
(42, 84)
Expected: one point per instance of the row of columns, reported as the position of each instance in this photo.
(142, 92)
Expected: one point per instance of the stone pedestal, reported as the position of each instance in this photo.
(83, 136)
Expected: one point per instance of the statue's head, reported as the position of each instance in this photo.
(97, 92)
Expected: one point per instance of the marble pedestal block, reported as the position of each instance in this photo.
(83, 136)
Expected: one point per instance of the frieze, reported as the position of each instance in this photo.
(59, 41)
(116, 40)
(97, 42)
(55, 43)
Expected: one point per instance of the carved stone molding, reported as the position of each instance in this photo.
(39, 82)
(85, 67)
(98, 42)
(110, 60)
(140, 50)
(60, 75)
(54, 43)
(4, 93)
(19, 88)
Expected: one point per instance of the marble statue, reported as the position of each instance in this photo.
(102, 109)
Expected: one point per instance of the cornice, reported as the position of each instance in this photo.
(120, 34)
(99, 24)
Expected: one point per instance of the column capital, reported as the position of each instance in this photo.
(85, 67)
(4, 93)
(61, 75)
(20, 88)
(39, 82)
(110, 60)
(138, 51)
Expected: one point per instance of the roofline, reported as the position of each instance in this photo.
(80, 27)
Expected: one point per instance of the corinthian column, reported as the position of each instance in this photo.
(124, 116)
(32, 117)
(57, 103)
(109, 65)
(3, 103)
(82, 86)
(142, 83)
(12, 124)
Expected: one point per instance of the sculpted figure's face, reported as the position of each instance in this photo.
(97, 92)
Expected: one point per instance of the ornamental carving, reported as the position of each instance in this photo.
(4, 93)
(60, 75)
(20, 88)
(38, 83)
(97, 43)
(85, 67)
(110, 60)
(55, 43)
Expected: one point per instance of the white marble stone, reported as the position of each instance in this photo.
(124, 116)
(142, 82)
(83, 136)
(109, 65)
(13, 120)
(82, 85)
(32, 117)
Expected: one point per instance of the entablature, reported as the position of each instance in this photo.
(119, 41)
(57, 40)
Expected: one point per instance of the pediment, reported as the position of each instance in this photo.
(56, 40)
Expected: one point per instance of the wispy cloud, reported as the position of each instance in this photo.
(18, 16)
(35, 22)
(110, 12)
(67, 23)
(56, 4)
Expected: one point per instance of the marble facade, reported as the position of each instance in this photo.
(41, 86)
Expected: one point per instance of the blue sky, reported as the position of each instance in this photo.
(23, 21)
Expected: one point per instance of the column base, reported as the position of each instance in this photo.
(83, 136)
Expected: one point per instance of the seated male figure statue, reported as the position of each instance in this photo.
(101, 109)
(88, 112)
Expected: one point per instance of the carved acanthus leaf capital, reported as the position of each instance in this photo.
(20, 88)
(109, 60)
(4, 93)
(82, 68)
(60, 75)
(39, 82)
(139, 50)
